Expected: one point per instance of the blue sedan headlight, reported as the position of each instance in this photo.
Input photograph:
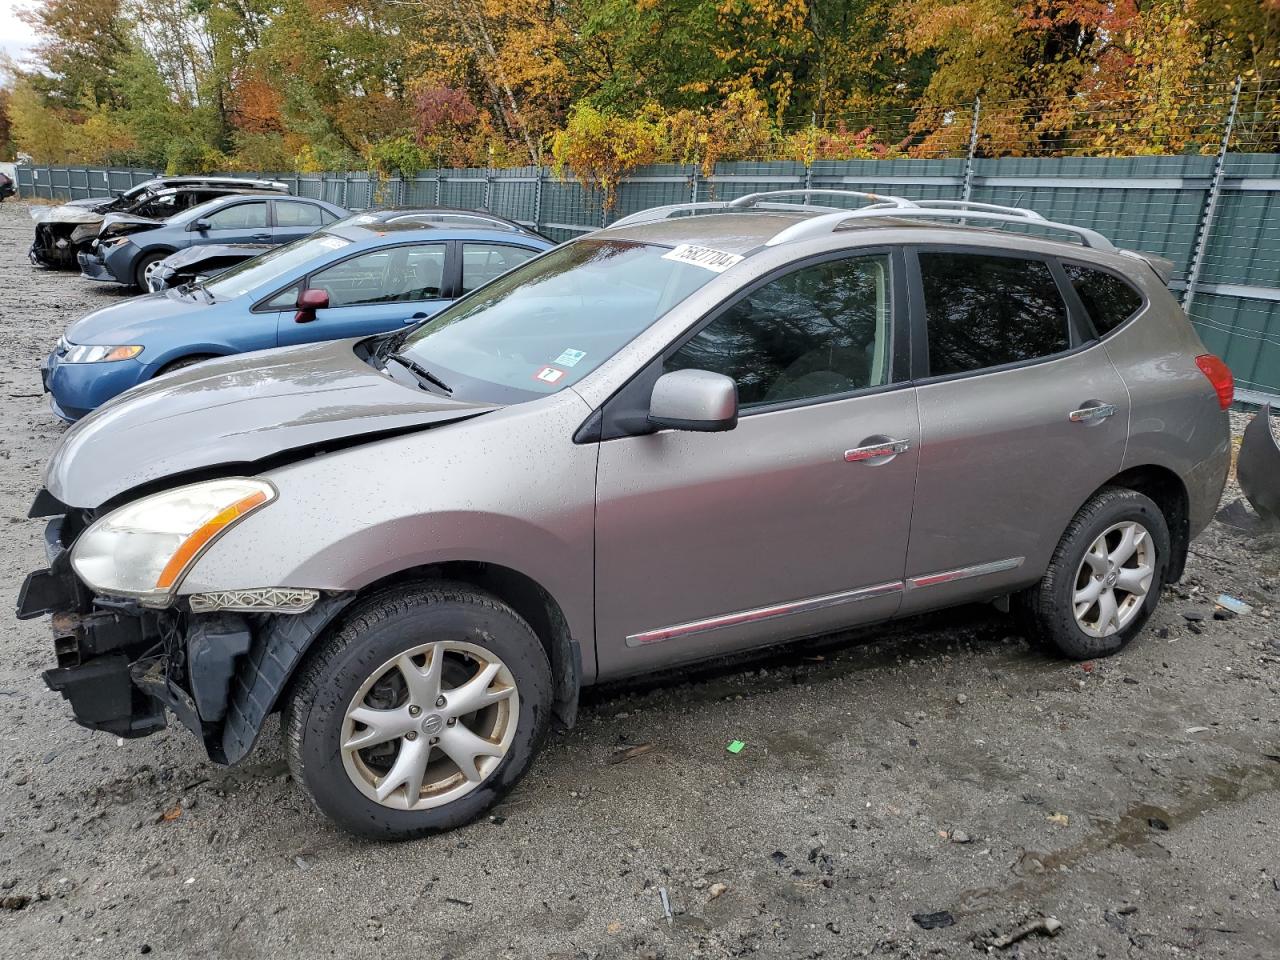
(91, 353)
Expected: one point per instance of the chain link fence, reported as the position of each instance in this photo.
(1197, 181)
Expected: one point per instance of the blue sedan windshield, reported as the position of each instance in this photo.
(267, 267)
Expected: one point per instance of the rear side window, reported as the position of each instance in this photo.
(1108, 299)
(482, 262)
(985, 311)
(292, 213)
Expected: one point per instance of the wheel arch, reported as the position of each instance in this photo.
(532, 601)
(1170, 494)
(267, 674)
(206, 351)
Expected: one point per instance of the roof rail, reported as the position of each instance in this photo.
(829, 223)
(972, 205)
(751, 199)
(759, 201)
(830, 219)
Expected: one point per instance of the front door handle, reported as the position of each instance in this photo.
(877, 450)
(261, 237)
(1092, 412)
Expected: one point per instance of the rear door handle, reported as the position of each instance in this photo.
(880, 451)
(1092, 412)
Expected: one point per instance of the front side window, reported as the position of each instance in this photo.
(294, 214)
(820, 331)
(240, 216)
(551, 321)
(984, 311)
(482, 262)
(1108, 300)
(388, 275)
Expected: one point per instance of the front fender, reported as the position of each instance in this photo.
(510, 488)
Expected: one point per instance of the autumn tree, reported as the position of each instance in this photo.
(78, 54)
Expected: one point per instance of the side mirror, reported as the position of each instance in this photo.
(200, 226)
(309, 301)
(694, 400)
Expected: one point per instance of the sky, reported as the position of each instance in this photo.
(16, 37)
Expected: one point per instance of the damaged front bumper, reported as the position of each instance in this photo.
(124, 667)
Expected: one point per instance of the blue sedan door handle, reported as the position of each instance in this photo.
(418, 316)
(261, 238)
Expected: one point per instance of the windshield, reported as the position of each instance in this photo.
(547, 324)
(269, 266)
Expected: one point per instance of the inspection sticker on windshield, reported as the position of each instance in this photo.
(548, 375)
(570, 358)
(717, 261)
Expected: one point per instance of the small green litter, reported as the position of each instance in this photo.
(735, 746)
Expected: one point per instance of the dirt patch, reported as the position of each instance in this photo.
(940, 765)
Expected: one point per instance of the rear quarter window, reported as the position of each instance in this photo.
(1108, 300)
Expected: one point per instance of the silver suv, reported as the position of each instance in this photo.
(702, 430)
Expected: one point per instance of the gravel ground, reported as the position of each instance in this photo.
(939, 765)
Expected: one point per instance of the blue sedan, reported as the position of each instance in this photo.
(343, 281)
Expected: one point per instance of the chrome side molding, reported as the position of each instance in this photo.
(695, 627)
(964, 573)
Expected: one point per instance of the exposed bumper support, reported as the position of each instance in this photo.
(121, 666)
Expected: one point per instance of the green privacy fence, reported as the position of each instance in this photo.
(1216, 218)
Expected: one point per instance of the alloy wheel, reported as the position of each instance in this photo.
(1113, 579)
(430, 725)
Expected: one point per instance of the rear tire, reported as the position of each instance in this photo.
(1104, 579)
(474, 692)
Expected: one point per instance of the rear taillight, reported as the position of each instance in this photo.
(1219, 374)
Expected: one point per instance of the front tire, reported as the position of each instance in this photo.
(420, 712)
(1104, 579)
(142, 271)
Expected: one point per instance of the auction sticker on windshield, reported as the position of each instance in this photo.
(717, 261)
(548, 375)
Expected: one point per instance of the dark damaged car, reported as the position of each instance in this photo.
(130, 249)
(65, 231)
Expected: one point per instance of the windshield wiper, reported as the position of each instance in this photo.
(208, 297)
(421, 372)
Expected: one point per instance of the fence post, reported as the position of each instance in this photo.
(488, 189)
(693, 189)
(967, 190)
(439, 186)
(808, 167)
(1210, 205)
(537, 201)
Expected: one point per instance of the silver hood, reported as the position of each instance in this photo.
(234, 412)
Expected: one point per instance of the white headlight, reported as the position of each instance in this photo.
(91, 353)
(145, 548)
